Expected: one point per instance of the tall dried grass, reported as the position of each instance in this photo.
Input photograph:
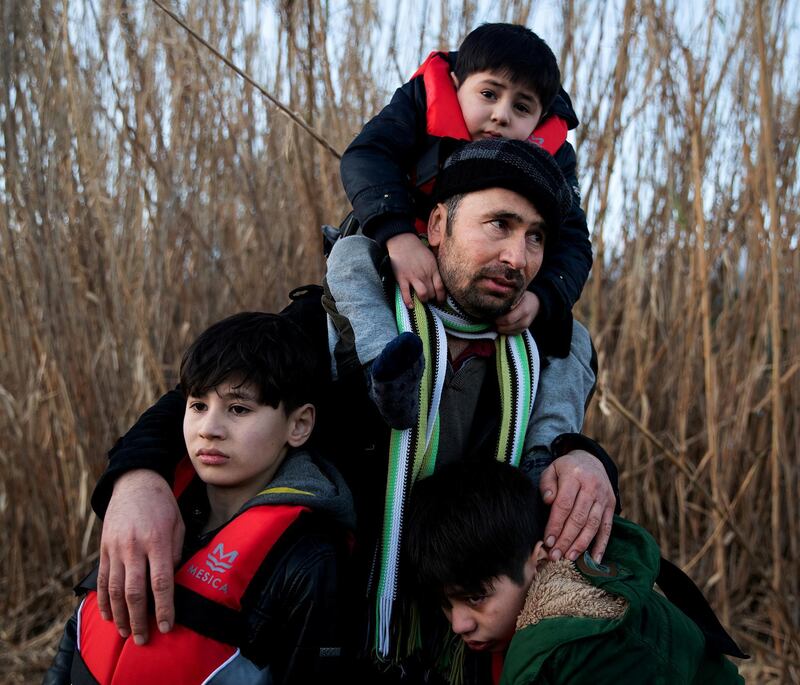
(148, 191)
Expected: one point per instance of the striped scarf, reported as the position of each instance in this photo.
(412, 452)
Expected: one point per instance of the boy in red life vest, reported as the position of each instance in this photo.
(266, 526)
(504, 81)
(471, 545)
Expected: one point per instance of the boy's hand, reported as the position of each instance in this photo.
(415, 267)
(520, 316)
(577, 487)
(142, 528)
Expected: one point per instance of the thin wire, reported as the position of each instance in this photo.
(293, 116)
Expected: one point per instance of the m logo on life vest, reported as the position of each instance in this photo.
(219, 561)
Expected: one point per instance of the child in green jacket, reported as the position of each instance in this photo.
(472, 532)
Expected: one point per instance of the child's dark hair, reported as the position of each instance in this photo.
(268, 350)
(515, 51)
(469, 523)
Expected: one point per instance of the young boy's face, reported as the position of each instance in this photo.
(495, 107)
(486, 622)
(233, 440)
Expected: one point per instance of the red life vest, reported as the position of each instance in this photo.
(444, 118)
(209, 586)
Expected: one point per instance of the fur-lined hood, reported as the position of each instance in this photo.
(559, 589)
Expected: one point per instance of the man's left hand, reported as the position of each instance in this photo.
(582, 505)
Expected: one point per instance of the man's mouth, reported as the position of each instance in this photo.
(503, 281)
(503, 284)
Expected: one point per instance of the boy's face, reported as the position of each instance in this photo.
(486, 622)
(495, 107)
(236, 442)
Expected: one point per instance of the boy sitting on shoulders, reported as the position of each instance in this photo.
(472, 545)
(504, 82)
(266, 526)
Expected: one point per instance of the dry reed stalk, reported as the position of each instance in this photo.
(775, 243)
(606, 152)
(695, 106)
(738, 326)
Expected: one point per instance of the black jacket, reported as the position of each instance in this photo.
(375, 171)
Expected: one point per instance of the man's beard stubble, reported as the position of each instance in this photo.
(472, 299)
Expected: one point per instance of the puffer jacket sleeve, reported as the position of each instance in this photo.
(565, 269)
(374, 166)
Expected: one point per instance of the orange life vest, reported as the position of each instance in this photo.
(209, 588)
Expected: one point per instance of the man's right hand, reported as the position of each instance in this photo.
(415, 267)
(582, 501)
(142, 528)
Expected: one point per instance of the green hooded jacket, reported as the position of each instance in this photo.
(651, 641)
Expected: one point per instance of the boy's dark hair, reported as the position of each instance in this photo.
(268, 350)
(515, 51)
(469, 523)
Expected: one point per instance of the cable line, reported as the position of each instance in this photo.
(293, 116)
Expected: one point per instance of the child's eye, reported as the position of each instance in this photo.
(197, 405)
(475, 600)
(488, 94)
(522, 108)
(239, 410)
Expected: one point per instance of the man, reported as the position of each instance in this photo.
(499, 202)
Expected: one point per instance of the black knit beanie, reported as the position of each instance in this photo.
(515, 165)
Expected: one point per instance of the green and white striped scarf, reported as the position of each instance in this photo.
(412, 452)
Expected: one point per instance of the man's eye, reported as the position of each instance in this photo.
(535, 238)
(500, 224)
(239, 409)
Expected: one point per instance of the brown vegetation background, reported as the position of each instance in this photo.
(146, 191)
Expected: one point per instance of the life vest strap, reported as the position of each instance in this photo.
(209, 618)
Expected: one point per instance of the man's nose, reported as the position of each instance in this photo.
(462, 620)
(515, 252)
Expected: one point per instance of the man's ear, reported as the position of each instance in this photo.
(437, 224)
(454, 79)
(301, 423)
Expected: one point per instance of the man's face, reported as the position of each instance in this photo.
(495, 107)
(486, 621)
(490, 252)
